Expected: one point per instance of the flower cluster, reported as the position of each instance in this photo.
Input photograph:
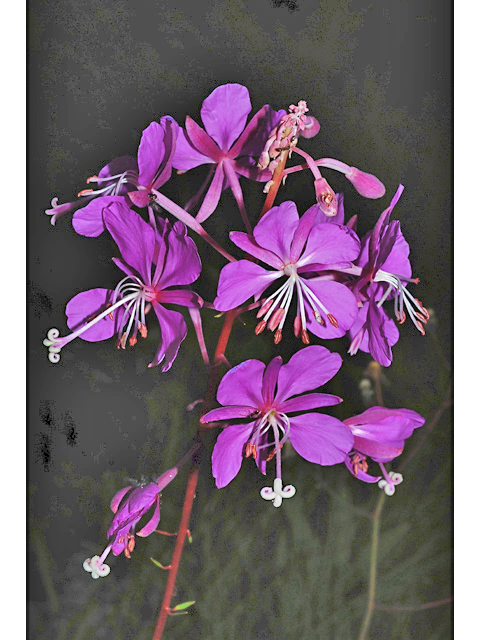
(310, 275)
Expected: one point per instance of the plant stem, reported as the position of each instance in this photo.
(219, 359)
(373, 567)
(193, 479)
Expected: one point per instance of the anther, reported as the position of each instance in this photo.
(305, 338)
(333, 320)
(277, 337)
(264, 308)
(260, 327)
(402, 317)
(132, 341)
(143, 330)
(318, 317)
(297, 326)
(251, 450)
(84, 192)
(92, 179)
(276, 319)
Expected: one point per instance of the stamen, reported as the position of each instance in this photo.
(277, 337)
(333, 320)
(275, 319)
(305, 338)
(260, 327)
(297, 326)
(251, 450)
(264, 308)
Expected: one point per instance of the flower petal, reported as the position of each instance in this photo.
(339, 302)
(307, 369)
(228, 453)
(181, 264)
(150, 153)
(184, 297)
(256, 133)
(241, 280)
(330, 243)
(85, 306)
(276, 229)
(212, 196)
(358, 473)
(186, 156)
(224, 113)
(202, 141)
(88, 221)
(270, 378)
(134, 237)
(173, 331)
(152, 523)
(242, 385)
(309, 401)
(249, 245)
(319, 438)
(117, 498)
(228, 414)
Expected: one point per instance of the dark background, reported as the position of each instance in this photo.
(378, 78)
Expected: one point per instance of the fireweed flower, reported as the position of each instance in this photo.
(380, 434)
(125, 180)
(294, 247)
(383, 271)
(154, 261)
(226, 143)
(266, 395)
(128, 510)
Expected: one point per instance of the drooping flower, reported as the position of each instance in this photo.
(294, 247)
(129, 505)
(380, 434)
(266, 395)
(154, 261)
(383, 271)
(125, 180)
(225, 143)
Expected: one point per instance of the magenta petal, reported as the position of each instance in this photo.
(150, 153)
(173, 331)
(242, 385)
(152, 523)
(248, 244)
(202, 141)
(186, 156)
(276, 230)
(378, 344)
(270, 378)
(366, 184)
(183, 297)
(239, 281)
(182, 263)
(307, 369)
(224, 113)
(84, 307)
(319, 438)
(256, 133)
(117, 498)
(385, 425)
(89, 220)
(228, 452)
(302, 233)
(330, 243)
(307, 402)
(339, 302)
(212, 196)
(228, 414)
(134, 237)
(397, 259)
(115, 167)
(378, 451)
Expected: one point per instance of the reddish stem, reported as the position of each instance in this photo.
(219, 359)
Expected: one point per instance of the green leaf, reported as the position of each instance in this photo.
(184, 605)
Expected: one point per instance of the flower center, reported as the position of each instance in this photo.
(275, 307)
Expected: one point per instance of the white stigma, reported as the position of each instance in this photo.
(277, 494)
(389, 487)
(97, 570)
